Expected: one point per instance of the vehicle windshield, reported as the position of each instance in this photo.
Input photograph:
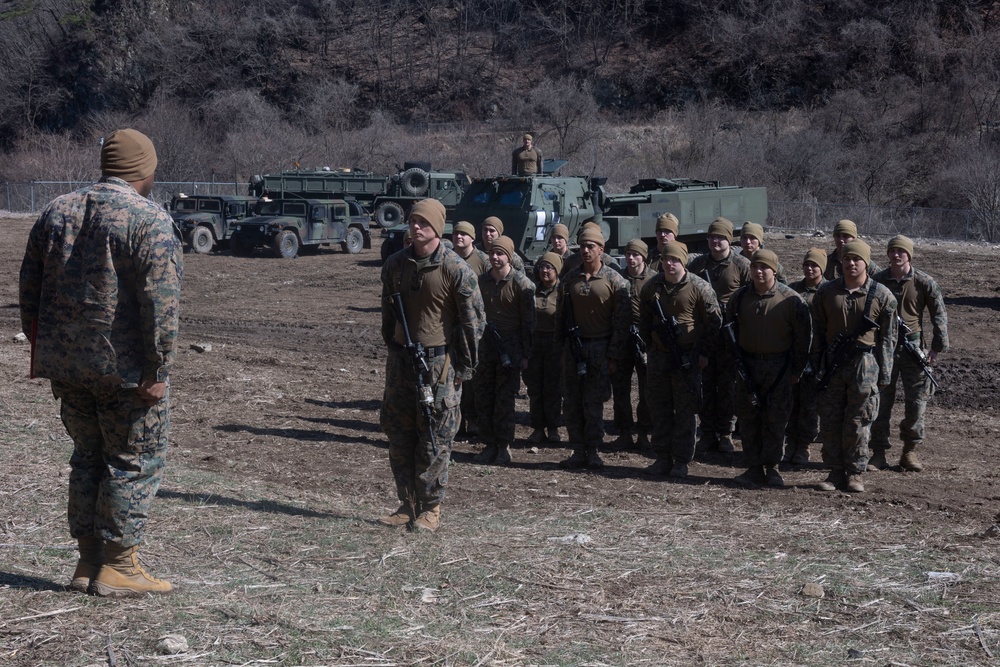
(505, 195)
(210, 206)
(185, 205)
(268, 208)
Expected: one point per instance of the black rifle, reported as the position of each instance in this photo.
(418, 359)
(842, 349)
(638, 347)
(505, 362)
(732, 336)
(912, 348)
(573, 335)
(668, 330)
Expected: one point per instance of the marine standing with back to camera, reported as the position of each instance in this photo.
(854, 367)
(915, 292)
(440, 296)
(100, 290)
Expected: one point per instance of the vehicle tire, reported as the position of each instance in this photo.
(285, 244)
(354, 241)
(201, 241)
(415, 181)
(239, 247)
(389, 214)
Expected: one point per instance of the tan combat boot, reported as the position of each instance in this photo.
(488, 455)
(91, 559)
(429, 519)
(400, 517)
(878, 461)
(909, 460)
(833, 481)
(123, 576)
(854, 483)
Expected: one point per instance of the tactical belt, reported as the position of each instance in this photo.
(431, 352)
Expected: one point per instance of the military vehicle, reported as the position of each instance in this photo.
(387, 198)
(206, 221)
(288, 226)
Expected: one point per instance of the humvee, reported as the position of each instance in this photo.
(288, 226)
(206, 221)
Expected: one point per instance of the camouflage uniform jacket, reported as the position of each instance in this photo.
(807, 293)
(478, 260)
(101, 277)
(615, 311)
(836, 310)
(693, 302)
(727, 275)
(774, 322)
(916, 292)
(635, 285)
(834, 270)
(510, 306)
(442, 303)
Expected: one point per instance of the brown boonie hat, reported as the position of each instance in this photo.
(128, 155)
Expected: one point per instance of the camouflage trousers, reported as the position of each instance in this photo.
(119, 452)
(803, 423)
(495, 390)
(763, 428)
(468, 405)
(916, 390)
(419, 466)
(621, 385)
(718, 387)
(543, 379)
(847, 408)
(674, 398)
(584, 397)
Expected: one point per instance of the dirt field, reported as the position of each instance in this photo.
(278, 469)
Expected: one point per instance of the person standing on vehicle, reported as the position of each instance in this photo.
(636, 273)
(915, 292)
(526, 159)
(592, 328)
(463, 238)
(667, 229)
(855, 371)
(844, 232)
(440, 296)
(509, 298)
(543, 376)
(679, 346)
(803, 423)
(100, 292)
(492, 230)
(774, 332)
(727, 271)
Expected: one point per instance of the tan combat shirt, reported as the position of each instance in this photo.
(601, 306)
(510, 306)
(692, 302)
(774, 322)
(546, 300)
(726, 276)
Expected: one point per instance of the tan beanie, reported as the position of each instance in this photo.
(901, 242)
(846, 227)
(432, 211)
(753, 229)
(494, 222)
(128, 155)
(668, 222)
(722, 227)
(560, 230)
(465, 227)
(817, 256)
(555, 260)
(528, 136)
(767, 258)
(591, 233)
(504, 243)
(677, 250)
(858, 248)
(638, 246)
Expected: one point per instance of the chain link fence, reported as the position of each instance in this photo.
(32, 197)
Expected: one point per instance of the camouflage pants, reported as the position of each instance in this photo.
(495, 390)
(916, 390)
(847, 408)
(419, 467)
(621, 385)
(119, 451)
(763, 428)
(674, 397)
(468, 405)
(803, 424)
(584, 397)
(718, 387)
(543, 379)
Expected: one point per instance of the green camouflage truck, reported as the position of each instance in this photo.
(290, 226)
(207, 221)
